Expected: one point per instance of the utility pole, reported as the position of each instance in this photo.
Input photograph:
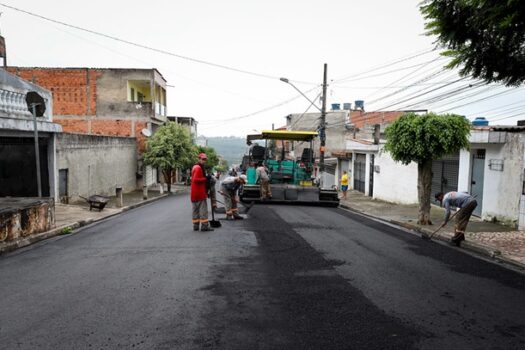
(322, 124)
(37, 151)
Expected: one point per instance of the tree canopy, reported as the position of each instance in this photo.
(170, 148)
(420, 138)
(486, 38)
(213, 158)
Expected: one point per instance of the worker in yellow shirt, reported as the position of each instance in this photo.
(344, 184)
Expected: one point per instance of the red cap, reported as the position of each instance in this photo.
(202, 156)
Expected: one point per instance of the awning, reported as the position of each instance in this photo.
(283, 135)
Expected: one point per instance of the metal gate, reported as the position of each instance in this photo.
(17, 167)
(63, 175)
(371, 180)
(359, 172)
(445, 173)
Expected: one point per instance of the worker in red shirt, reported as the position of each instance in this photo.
(199, 195)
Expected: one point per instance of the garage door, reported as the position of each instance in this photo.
(360, 172)
(17, 167)
(445, 173)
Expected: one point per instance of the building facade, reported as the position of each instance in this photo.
(103, 101)
(493, 170)
(18, 174)
(188, 122)
(111, 102)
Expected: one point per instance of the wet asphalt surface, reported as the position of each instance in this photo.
(286, 278)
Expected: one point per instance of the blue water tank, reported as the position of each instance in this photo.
(359, 104)
(480, 121)
(347, 106)
(336, 106)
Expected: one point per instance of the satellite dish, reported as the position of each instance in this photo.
(146, 132)
(33, 98)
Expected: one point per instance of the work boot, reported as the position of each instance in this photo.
(458, 237)
(195, 227)
(236, 216)
(205, 227)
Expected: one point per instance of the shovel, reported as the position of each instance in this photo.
(247, 206)
(214, 223)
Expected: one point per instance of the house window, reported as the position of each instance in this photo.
(132, 94)
(140, 97)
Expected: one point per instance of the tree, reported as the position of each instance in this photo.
(422, 139)
(213, 158)
(223, 165)
(485, 37)
(170, 148)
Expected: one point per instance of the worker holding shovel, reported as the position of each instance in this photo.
(466, 203)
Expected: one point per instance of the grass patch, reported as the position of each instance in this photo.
(66, 231)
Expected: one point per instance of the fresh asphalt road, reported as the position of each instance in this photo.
(286, 278)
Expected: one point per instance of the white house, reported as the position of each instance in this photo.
(373, 172)
(493, 170)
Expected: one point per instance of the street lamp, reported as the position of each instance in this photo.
(37, 106)
(287, 81)
(322, 124)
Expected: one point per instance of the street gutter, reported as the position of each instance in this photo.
(472, 247)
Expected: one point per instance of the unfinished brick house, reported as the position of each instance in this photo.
(103, 101)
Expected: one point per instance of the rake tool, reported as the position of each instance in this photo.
(429, 238)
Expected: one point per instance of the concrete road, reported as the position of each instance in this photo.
(286, 278)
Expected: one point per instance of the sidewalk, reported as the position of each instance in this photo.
(72, 216)
(490, 239)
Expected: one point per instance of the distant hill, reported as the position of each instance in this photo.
(230, 148)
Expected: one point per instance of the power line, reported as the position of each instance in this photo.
(391, 71)
(402, 59)
(424, 79)
(405, 77)
(161, 51)
(495, 108)
(421, 94)
(226, 120)
(511, 116)
(482, 99)
(446, 95)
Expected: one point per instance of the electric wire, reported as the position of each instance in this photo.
(386, 65)
(150, 48)
(482, 99)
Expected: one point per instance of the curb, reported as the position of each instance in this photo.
(26, 241)
(478, 248)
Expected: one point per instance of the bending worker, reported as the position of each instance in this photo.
(263, 180)
(229, 187)
(466, 203)
(198, 195)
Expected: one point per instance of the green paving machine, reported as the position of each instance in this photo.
(292, 180)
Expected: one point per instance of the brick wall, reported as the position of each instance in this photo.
(141, 140)
(74, 90)
(361, 119)
(75, 101)
(112, 127)
(76, 126)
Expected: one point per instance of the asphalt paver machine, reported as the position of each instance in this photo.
(292, 179)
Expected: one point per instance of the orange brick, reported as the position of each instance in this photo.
(73, 126)
(111, 127)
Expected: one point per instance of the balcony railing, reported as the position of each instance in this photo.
(13, 103)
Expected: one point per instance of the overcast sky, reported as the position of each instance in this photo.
(271, 38)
